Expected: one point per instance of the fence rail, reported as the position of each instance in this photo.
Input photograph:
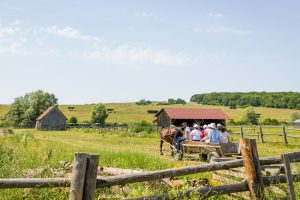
(262, 134)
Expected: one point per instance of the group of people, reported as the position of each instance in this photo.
(211, 133)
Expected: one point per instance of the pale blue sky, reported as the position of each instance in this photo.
(120, 51)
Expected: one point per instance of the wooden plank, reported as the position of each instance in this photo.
(78, 176)
(293, 136)
(219, 190)
(252, 167)
(34, 182)
(251, 134)
(288, 173)
(294, 156)
(157, 175)
(90, 177)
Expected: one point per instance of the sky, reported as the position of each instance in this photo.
(96, 51)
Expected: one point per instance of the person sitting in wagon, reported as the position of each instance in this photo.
(195, 134)
(224, 138)
(213, 135)
(178, 137)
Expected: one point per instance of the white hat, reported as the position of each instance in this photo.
(219, 125)
(205, 126)
(212, 125)
(196, 125)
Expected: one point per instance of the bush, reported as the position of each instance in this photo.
(143, 126)
(143, 102)
(269, 121)
(236, 123)
(5, 123)
(73, 120)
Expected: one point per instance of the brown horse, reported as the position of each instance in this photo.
(167, 136)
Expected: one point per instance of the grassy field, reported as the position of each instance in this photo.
(31, 149)
(131, 113)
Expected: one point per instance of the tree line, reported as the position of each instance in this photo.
(289, 100)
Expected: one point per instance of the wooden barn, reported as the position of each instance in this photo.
(52, 119)
(176, 116)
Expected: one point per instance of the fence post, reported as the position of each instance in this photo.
(261, 135)
(252, 167)
(242, 133)
(84, 177)
(78, 176)
(90, 177)
(284, 135)
(286, 161)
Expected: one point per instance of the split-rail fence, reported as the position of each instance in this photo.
(84, 180)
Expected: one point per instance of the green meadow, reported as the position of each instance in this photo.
(131, 113)
(31, 149)
(27, 149)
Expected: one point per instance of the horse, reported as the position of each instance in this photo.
(166, 135)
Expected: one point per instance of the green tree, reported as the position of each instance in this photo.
(294, 116)
(143, 102)
(171, 101)
(25, 109)
(250, 116)
(99, 114)
(73, 120)
(180, 101)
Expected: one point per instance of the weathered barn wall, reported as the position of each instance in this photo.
(54, 120)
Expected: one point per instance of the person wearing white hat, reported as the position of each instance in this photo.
(195, 134)
(213, 135)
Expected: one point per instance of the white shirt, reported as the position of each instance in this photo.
(187, 130)
(195, 134)
(223, 137)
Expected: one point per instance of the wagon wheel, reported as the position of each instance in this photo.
(178, 155)
(211, 156)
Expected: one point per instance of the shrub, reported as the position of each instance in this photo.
(73, 120)
(143, 126)
(143, 102)
(269, 121)
(5, 123)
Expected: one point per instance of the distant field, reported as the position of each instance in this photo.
(130, 112)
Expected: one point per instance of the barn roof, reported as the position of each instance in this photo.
(194, 113)
(48, 111)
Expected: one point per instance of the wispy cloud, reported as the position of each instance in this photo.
(8, 31)
(222, 29)
(215, 15)
(41, 41)
(70, 33)
(144, 14)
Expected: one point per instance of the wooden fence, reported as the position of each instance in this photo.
(84, 178)
(262, 133)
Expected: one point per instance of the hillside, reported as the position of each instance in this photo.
(130, 112)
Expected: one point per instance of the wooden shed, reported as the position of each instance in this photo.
(52, 119)
(176, 116)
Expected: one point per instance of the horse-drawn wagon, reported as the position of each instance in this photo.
(207, 151)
